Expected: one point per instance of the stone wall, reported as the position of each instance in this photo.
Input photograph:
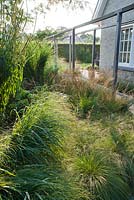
(126, 76)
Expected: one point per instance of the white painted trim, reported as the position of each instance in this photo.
(132, 49)
(126, 65)
(99, 10)
(127, 26)
(129, 69)
(131, 63)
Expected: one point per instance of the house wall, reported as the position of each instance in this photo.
(126, 76)
(113, 5)
(107, 48)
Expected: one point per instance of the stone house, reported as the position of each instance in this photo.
(126, 54)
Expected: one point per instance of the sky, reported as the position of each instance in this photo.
(59, 16)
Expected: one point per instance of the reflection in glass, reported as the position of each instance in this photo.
(124, 57)
(125, 45)
(131, 31)
(126, 34)
(128, 58)
(122, 35)
(121, 46)
(129, 46)
(120, 58)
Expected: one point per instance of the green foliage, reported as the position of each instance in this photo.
(103, 179)
(38, 55)
(88, 38)
(124, 147)
(88, 99)
(31, 162)
(17, 105)
(99, 155)
(85, 105)
(40, 35)
(50, 74)
(83, 52)
(127, 88)
(53, 155)
(12, 55)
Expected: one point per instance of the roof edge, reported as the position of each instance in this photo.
(99, 10)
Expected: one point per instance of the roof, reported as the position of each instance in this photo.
(100, 7)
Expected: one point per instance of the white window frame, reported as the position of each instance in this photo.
(131, 63)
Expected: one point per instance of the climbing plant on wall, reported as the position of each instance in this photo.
(12, 49)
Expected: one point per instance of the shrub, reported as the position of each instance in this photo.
(50, 75)
(17, 105)
(85, 105)
(38, 55)
(12, 50)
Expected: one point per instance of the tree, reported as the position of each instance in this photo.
(12, 57)
(40, 35)
(88, 38)
(73, 3)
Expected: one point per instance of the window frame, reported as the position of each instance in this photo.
(131, 61)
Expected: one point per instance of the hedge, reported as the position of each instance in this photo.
(83, 52)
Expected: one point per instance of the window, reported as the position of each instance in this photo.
(126, 57)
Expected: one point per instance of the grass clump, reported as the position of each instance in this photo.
(31, 162)
(103, 179)
(89, 99)
(100, 155)
(126, 87)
